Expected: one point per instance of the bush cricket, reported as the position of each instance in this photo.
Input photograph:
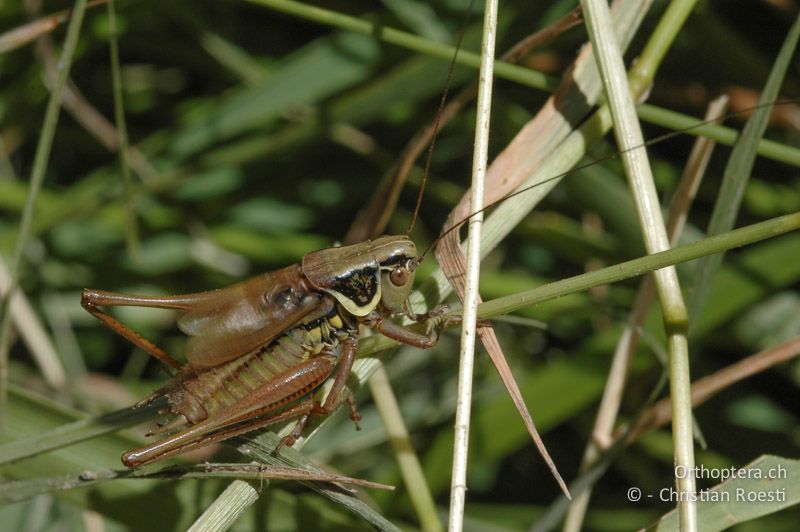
(258, 349)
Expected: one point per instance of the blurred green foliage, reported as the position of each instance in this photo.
(261, 135)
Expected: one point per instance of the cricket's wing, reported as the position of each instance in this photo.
(227, 323)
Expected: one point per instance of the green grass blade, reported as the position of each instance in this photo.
(737, 172)
(765, 486)
(80, 428)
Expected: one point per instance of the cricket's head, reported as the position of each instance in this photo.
(397, 256)
(363, 275)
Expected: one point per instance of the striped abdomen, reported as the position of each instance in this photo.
(198, 394)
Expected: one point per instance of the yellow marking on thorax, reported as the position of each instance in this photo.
(324, 334)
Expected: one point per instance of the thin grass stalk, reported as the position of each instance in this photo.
(407, 461)
(409, 41)
(480, 157)
(261, 449)
(37, 177)
(727, 136)
(602, 433)
(632, 268)
(258, 474)
(696, 166)
(132, 226)
(637, 169)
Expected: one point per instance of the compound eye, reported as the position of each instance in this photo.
(399, 276)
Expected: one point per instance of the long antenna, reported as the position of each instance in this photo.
(437, 122)
(649, 142)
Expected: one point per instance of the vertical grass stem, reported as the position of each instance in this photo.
(468, 331)
(637, 169)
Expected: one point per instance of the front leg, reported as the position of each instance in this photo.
(436, 320)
